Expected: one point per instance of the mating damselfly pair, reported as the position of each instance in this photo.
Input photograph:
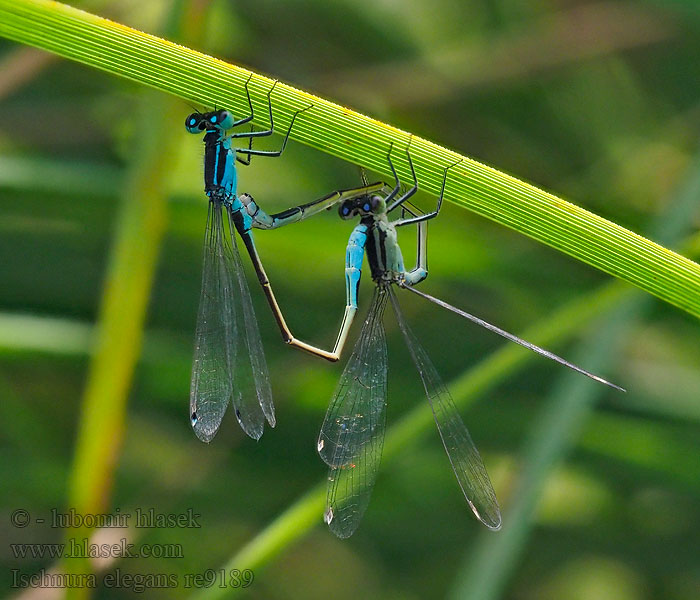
(229, 363)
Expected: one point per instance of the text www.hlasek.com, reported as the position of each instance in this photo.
(84, 549)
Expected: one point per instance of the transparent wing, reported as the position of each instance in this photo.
(352, 434)
(466, 462)
(210, 387)
(513, 338)
(252, 395)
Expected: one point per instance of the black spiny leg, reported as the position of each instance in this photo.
(266, 132)
(284, 142)
(430, 215)
(250, 105)
(244, 161)
(402, 198)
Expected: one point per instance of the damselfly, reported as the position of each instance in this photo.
(352, 434)
(229, 363)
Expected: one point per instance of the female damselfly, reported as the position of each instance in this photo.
(352, 434)
(229, 364)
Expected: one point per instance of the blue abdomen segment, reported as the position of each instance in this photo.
(243, 219)
(354, 255)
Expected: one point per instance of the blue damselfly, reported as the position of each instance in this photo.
(229, 362)
(352, 434)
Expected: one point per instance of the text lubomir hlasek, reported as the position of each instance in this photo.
(140, 518)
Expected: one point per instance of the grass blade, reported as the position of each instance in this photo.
(332, 128)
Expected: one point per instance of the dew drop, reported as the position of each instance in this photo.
(194, 419)
(320, 445)
(328, 516)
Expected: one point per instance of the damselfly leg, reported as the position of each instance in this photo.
(253, 134)
(262, 220)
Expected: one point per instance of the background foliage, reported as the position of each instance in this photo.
(595, 101)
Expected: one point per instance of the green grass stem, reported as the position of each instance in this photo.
(127, 289)
(141, 224)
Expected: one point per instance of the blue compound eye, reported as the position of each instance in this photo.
(194, 123)
(225, 119)
(346, 209)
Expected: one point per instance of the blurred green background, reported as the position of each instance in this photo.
(597, 101)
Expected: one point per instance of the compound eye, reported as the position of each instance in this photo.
(346, 210)
(193, 123)
(225, 119)
(378, 204)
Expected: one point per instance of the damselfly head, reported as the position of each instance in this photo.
(218, 120)
(362, 206)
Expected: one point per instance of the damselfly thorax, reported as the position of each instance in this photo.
(383, 250)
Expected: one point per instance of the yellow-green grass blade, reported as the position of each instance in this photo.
(332, 128)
